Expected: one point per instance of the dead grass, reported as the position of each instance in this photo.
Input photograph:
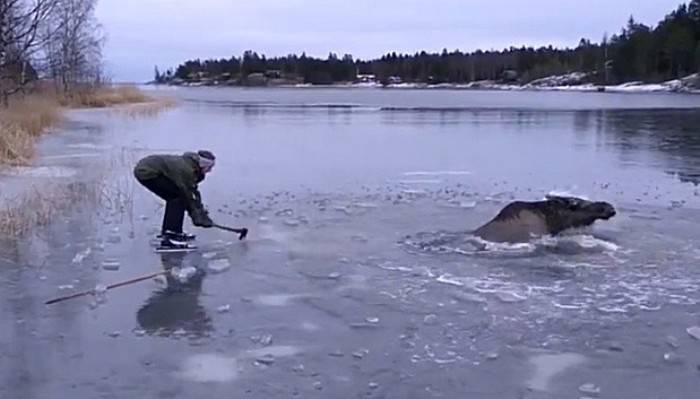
(21, 123)
(16, 146)
(28, 117)
(103, 97)
(39, 207)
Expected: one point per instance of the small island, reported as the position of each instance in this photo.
(640, 58)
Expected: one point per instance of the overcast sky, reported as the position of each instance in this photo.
(144, 33)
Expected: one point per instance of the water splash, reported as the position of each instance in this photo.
(464, 243)
(566, 193)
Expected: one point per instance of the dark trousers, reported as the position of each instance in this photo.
(174, 205)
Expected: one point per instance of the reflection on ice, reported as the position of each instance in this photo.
(209, 367)
(549, 366)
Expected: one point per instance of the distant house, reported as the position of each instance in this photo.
(273, 74)
(394, 80)
(366, 78)
(196, 76)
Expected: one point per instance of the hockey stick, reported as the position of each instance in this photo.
(109, 287)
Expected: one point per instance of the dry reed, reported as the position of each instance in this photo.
(27, 117)
(40, 206)
(102, 97)
(21, 123)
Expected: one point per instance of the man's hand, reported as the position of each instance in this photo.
(200, 218)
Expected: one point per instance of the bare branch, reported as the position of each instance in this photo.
(61, 38)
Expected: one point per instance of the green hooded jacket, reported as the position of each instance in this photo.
(183, 170)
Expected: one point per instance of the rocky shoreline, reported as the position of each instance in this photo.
(576, 82)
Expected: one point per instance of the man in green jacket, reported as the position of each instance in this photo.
(175, 178)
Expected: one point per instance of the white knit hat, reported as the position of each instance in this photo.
(206, 159)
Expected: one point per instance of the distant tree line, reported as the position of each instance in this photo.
(306, 69)
(639, 52)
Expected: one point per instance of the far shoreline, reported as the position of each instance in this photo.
(625, 88)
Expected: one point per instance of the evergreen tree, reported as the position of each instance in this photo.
(158, 77)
